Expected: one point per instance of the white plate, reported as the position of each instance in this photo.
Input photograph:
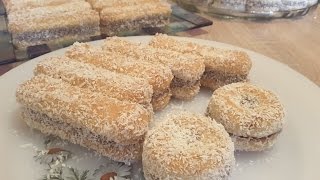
(294, 157)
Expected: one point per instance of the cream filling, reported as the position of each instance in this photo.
(180, 83)
(159, 95)
(250, 138)
(223, 77)
(121, 26)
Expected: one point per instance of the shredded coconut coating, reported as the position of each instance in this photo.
(247, 110)
(123, 122)
(81, 136)
(185, 67)
(100, 4)
(14, 5)
(115, 20)
(187, 146)
(230, 62)
(53, 17)
(158, 76)
(84, 75)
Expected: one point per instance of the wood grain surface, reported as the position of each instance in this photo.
(295, 42)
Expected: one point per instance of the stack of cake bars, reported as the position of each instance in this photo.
(103, 110)
(36, 22)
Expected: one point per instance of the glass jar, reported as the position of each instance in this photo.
(250, 8)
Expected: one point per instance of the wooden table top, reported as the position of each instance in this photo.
(295, 42)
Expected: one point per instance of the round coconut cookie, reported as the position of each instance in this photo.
(251, 115)
(188, 146)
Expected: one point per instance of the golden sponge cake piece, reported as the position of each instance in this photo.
(187, 70)
(96, 79)
(123, 122)
(158, 76)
